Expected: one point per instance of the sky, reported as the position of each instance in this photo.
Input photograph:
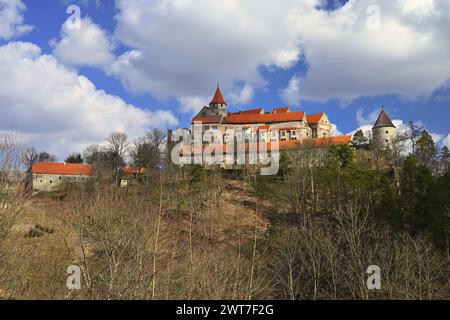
(68, 80)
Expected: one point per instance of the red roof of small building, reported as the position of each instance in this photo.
(62, 168)
(218, 98)
(314, 118)
(133, 170)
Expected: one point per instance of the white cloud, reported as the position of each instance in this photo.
(291, 94)
(370, 119)
(446, 141)
(88, 45)
(11, 19)
(245, 95)
(192, 104)
(183, 47)
(406, 56)
(60, 110)
(335, 131)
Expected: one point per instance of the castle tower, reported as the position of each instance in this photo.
(218, 104)
(384, 131)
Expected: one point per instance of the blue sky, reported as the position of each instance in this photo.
(156, 62)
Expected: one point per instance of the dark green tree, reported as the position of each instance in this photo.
(415, 182)
(359, 139)
(74, 158)
(444, 161)
(425, 150)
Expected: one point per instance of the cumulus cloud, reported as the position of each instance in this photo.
(60, 110)
(181, 47)
(11, 19)
(291, 94)
(88, 45)
(370, 119)
(243, 96)
(446, 141)
(177, 48)
(406, 55)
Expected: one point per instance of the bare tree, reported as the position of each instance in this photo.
(116, 147)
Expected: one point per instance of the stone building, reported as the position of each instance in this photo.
(281, 124)
(50, 176)
(383, 132)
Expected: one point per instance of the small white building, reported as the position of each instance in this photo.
(50, 176)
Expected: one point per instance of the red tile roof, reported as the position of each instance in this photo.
(267, 128)
(283, 145)
(293, 144)
(218, 98)
(133, 170)
(281, 110)
(62, 168)
(207, 119)
(252, 111)
(314, 118)
(264, 118)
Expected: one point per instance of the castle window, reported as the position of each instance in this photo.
(387, 132)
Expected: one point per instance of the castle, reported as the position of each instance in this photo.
(281, 124)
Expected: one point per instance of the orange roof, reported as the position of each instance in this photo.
(132, 170)
(252, 111)
(293, 144)
(283, 145)
(264, 128)
(264, 118)
(281, 110)
(62, 168)
(218, 98)
(207, 119)
(288, 128)
(314, 118)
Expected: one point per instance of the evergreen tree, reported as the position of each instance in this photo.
(359, 139)
(414, 185)
(435, 207)
(444, 161)
(342, 155)
(74, 158)
(425, 150)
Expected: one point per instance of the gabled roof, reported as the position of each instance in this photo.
(207, 119)
(62, 168)
(264, 118)
(252, 111)
(281, 110)
(218, 98)
(383, 121)
(314, 118)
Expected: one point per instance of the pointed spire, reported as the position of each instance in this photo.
(383, 120)
(218, 98)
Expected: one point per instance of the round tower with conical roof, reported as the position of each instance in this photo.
(218, 103)
(384, 131)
